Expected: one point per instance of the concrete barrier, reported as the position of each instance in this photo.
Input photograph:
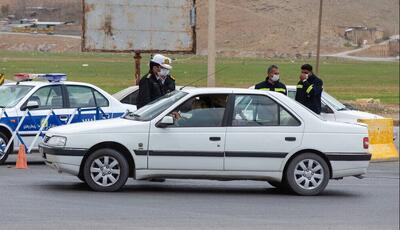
(380, 134)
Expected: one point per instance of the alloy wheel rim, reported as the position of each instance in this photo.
(105, 171)
(3, 146)
(308, 174)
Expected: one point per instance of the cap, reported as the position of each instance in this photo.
(162, 61)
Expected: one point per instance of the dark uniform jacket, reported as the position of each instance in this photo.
(169, 84)
(150, 88)
(309, 93)
(277, 87)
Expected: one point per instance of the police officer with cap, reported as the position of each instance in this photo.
(168, 81)
(272, 82)
(309, 89)
(151, 85)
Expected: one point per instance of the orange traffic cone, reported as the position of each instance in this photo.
(21, 163)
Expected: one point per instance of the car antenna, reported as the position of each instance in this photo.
(199, 79)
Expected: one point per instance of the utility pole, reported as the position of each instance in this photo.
(319, 35)
(211, 44)
(137, 59)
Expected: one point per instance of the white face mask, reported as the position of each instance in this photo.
(275, 77)
(164, 72)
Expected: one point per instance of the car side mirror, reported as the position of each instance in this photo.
(31, 105)
(326, 109)
(165, 122)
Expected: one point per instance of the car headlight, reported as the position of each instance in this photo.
(57, 141)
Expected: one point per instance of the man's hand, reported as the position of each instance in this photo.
(176, 115)
(303, 77)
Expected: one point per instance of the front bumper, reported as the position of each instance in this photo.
(66, 160)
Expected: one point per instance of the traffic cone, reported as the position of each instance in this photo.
(21, 163)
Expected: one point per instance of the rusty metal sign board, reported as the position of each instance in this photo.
(139, 26)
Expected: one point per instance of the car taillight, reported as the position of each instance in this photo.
(365, 142)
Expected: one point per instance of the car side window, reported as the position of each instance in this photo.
(201, 111)
(80, 97)
(287, 119)
(131, 98)
(48, 97)
(259, 110)
(101, 101)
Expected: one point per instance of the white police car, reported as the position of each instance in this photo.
(40, 97)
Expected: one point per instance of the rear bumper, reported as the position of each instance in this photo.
(348, 164)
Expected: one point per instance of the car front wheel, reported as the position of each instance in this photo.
(3, 144)
(106, 170)
(307, 174)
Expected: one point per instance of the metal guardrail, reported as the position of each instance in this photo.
(100, 115)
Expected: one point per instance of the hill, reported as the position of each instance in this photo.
(271, 28)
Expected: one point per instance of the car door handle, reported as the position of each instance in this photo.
(290, 138)
(215, 138)
(63, 117)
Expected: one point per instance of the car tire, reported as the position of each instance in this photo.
(106, 170)
(307, 174)
(3, 143)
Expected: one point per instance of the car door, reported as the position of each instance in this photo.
(49, 98)
(195, 141)
(84, 100)
(260, 134)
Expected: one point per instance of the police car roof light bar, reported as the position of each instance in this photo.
(54, 77)
(19, 77)
(51, 77)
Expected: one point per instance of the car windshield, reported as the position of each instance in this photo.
(10, 95)
(154, 108)
(337, 105)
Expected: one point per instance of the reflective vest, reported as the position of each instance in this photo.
(277, 86)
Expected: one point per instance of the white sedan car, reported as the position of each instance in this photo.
(212, 133)
(334, 110)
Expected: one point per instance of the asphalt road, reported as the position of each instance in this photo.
(40, 198)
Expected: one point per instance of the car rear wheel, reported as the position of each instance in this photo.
(106, 170)
(307, 174)
(3, 144)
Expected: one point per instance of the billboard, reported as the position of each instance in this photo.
(139, 26)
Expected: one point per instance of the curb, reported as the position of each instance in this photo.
(385, 160)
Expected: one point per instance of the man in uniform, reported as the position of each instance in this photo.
(309, 89)
(168, 82)
(151, 85)
(272, 82)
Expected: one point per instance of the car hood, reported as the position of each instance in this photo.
(117, 125)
